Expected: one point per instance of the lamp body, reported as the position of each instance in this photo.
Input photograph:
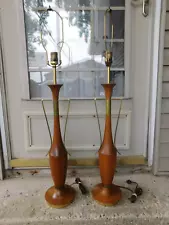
(60, 195)
(106, 193)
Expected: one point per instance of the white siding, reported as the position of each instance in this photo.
(166, 70)
(163, 163)
(167, 5)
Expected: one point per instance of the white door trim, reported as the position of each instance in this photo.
(157, 32)
(5, 152)
(1, 141)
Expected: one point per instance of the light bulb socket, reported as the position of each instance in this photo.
(108, 58)
(54, 58)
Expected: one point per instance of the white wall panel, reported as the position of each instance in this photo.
(165, 121)
(164, 136)
(84, 137)
(163, 164)
(165, 106)
(164, 150)
(165, 90)
(166, 39)
(166, 73)
(167, 21)
(166, 57)
(167, 5)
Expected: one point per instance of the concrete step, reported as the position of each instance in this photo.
(22, 202)
(126, 221)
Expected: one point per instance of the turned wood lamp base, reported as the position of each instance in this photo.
(60, 198)
(107, 196)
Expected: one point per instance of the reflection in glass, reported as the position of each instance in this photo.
(67, 4)
(117, 20)
(83, 3)
(118, 55)
(77, 84)
(83, 67)
(101, 3)
(81, 20)
(116, 76)
(71, 84)
(36, 77)
(36, 23)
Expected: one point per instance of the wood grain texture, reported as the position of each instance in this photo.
(106, 193)
(60, 195)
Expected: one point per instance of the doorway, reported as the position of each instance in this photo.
(26, 77)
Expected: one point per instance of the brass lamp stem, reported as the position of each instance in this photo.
(108, 74)
(54, 74)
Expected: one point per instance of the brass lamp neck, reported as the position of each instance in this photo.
(54, 74)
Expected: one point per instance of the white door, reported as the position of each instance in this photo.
(82, 72)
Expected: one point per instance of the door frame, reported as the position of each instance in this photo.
(5, 145)
(156, 74)
(4, 126)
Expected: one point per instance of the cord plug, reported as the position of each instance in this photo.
(82, 188)
(133, 198)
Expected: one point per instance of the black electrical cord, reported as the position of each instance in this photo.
(137, 191)
(125, 188)
(81, 186)
(132, 182)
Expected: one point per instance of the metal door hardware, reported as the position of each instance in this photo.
(145, 8)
